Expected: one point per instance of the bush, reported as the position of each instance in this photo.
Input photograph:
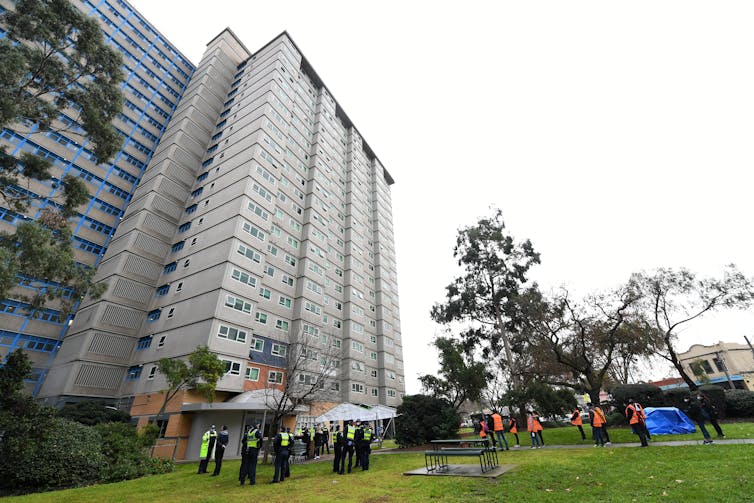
(423, 418)
(739, 403)
(716, 394)
(124, 452)
(616, 419)
(646, 394)
(48, 453)
(157, 466)
(91, 412)
(674, 397)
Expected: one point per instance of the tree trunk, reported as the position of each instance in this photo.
(677, 364)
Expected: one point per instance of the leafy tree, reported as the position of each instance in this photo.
(647, 395)
(576, 343)
(485, 296)
(550, 401)
(17, 367)
(423, 418)
(92, 412)
(674, 298)
(60, 64)
(201, 373)
(459, 379)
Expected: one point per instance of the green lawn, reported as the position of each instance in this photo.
(687, 473)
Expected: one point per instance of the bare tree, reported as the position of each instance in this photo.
(674, 298)
(312, 365)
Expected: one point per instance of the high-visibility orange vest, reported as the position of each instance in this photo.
(533, 425)
(483, 429)
(577, 421)
(514, 425)
(497, 421)
(637, 413)
(599, 418)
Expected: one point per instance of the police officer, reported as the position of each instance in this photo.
(208, 445)
(348, 447)
(250, 454)
(358, 443)
(222, 443)
(366, 446)
(338, 441)
(282, 446)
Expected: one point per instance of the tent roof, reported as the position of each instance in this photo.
(346, 411)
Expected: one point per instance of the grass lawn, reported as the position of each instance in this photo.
(569, 435)
(686, 473)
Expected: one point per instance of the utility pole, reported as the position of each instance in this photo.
(725, 369)
(749, 343)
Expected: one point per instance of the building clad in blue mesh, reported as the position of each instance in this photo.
(155, 77)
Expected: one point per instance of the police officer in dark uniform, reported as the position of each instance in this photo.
(339, 440)
(252, 441)
(358, 441)
(282, 447)
(220, 445)
(366, 446)
(349, 435)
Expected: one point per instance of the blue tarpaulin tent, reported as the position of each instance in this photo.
(668, 421)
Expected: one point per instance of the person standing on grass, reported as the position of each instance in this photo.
(693, 409)
(709, 411)
(281, 446)
(513, 429)
(636, 418)
(491, 429)
(251, 442)
(319, 441)
(338, 444)
(597, 419)
(348, 447)
(539, 430)
(605, 437)
(326, 438)
(534, 427)
(366, 446)
(206, 449)
(577, 422)
(222, 443)
(497, 422)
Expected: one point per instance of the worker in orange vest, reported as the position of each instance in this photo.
(483, 429)
(636, 418)
(513, 428)
(598, 420)
(577, 422)
(497, 421)
(535, 429)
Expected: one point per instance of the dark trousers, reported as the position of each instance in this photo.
(327, 446)
(640, 430)
(219, 453)
(282, 469)
(347, 450)
(365, 451)
(597, 434)
(703, 429)
(516, 435)
(581, 430)
(713, 421)
(541, 440)
(357, 451)
(605, 436)
(336, 462)
(203, 465)
(252, 456)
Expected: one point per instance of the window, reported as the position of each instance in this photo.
(310, 330)
(337, 342)
(290, 260)
(232, 368)
(238, 304)
(161, 344)
(264, 292)
(252, 373)
(272, 250)
(260, 318)
(357, 388)
(177, 246)
(358, 366)
(243, 277)
(373, 373)
(312, 308)
(191, 209)
(152, 372)
(162, 290)
(285, 301)
(184, 227)
(269, 271)
(186, 262)
(374, 391)
(171, 312)
(250, 254)
(170, 268)
(275, 377)
(154, 315)
(372, 355)
(281, 325)
(335, 386)
(373, 339)
(257, 210)
(287, 280)
(133, 372)
(357, 346)
(257, 344)
(254, 231)
(278, 349)
(231, 333)
(391, 393)
(197, 192)
(144, 343)
(179, 287)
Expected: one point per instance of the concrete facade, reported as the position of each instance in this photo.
(723, 363)
(156, 76)
(263, 215)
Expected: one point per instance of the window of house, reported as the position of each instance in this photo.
(275, 377)
(252, 373)
(278, 349)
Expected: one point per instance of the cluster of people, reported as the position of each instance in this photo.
(316, 441)
(700, 409)
(213, 442)
(354, 439)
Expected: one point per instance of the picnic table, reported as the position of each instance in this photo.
(437, 458)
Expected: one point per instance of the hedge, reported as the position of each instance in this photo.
(739, 403)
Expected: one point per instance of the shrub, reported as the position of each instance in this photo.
(423, 418)
(156, 466)
(616, 419)
(674, 397)
(739, 403)
(646, 394)
(123, 451)
(91, 412)
(48, 453)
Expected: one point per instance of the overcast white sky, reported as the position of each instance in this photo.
(617, 136)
